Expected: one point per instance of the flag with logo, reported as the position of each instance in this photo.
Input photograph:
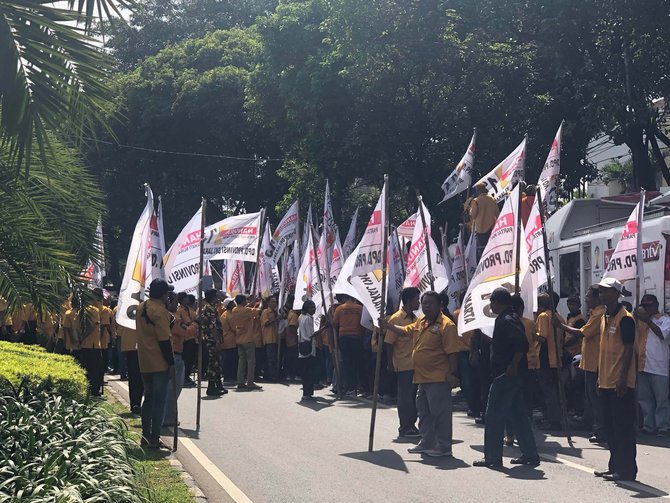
(406, 229)
(182, 260)
(329, 227)
(307, 281)
(268, 276)
(234, 278)
(350, 239)
(626, 262)
(131, 292)
(156, 251)
(549, 177)
(460, 178)
(306, 231)
(501, 179)
(395, 274)
(286, 231)
(470, 257)
(94, 272)
(457, 281)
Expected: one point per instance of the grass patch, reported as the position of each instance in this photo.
(164, 482)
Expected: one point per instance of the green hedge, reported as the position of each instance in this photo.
(37, 370)
(59, 450)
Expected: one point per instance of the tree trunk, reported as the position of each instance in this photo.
(658, 155)
(643, 171)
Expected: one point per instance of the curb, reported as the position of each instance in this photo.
(198, 495)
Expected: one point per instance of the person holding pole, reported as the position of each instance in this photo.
(244, 321)
(177, 336)
(307, 348)
(400, 362)
(270, 333)
(616, 383)
(229, 359)
(549, 360)
(435, 362)
(483, 215)
(506, 404)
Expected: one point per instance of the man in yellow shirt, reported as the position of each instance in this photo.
(270, 333)
(230, 357)
(84, 334)
(435, 363)
(291, 351)
(400, 361)
(156, 360)
(244, 321)
(483, 215)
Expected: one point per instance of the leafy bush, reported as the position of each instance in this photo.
(36, 370)
(57, 450)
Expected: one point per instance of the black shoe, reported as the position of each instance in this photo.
(480, 420)
(137, 410)
(602, 473)
(614, 477)
(308, 399)
(212, 390)
(409, 432)
(595, 439)
(526, 460)
(485, 463)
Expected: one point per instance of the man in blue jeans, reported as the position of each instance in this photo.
(156, 360)
(506, 403)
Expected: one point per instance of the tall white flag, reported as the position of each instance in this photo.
(307, 282)
(182, 260)
(536, 277)
(470, 257)
(457, 282)
(406, 229)
(268, 276)
(418, 274)
(366, 276)
(156, 251)
(306, 231)
(461, 177)
(395, 274)
(131, 292)
(286, 231)
(624, 264)
(337, 261)
(350, 239)
(502, 178)
(496, 268)
(94, 272)
(548, 182)
(329, 227)
(234, 278)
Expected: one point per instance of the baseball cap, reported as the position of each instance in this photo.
(611, 283)
(227, 302)
(649, 300)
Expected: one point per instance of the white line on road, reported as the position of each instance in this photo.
(226, 484)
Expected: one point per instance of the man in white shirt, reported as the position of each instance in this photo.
(653, 339)
(307, 348)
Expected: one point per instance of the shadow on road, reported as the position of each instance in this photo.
(385, 458)
(189, 433)
(318, 404)
(642, 490)
(445, 463)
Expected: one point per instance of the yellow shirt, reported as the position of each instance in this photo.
(402, 346)
(575, 348)
(106, 316)
(546, 329)
(245, 323)
(89, 340)
(150, 332)
(128, 338)
(271, 331)
(610, 362)
(291, 335)
(433, 343)
(483, 213)
(228, 331)
(533, 354)
(591, 340)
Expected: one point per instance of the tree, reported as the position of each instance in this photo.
(619, 173)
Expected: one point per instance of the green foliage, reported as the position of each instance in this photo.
(620, 173)
(55, 449)
(47, 220)
(32, 369)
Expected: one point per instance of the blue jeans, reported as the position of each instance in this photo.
(170, 402)
(507, 406)
(155, 394)
(652, 395)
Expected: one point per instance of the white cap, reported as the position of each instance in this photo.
(227, 302)
(611, 283)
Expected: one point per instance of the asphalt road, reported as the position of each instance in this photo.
(274, 449)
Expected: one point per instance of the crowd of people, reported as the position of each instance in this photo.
(597, 371)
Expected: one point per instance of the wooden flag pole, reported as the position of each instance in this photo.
(425, 237)
(203, 216)
(175, 428)
(561, 390)
(382, 313)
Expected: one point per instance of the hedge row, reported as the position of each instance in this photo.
(35, 370)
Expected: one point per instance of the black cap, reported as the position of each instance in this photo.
(158, 288)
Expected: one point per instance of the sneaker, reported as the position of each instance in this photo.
(409, 432)
(417, 449)
(438, 453)
(485, 463)
(526, 460)
(254, 386)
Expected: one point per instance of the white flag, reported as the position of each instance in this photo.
(366, 276)
(329, 227)
(182, 260)
(406, 229)
(94, 272)
(461, 177)
(235, 238)
(471, 257)
(502, 178)
(457, 281)
(286, 231)
(268, 276)
(548, 182)
(156, 250)
(536, 277)
(131, 292)
(418, 274)
(394, 275)
(624, 264)
(307, 282)
(350, 239)
(495, 269)
(306, 231)
(234, 278)
(337, 261)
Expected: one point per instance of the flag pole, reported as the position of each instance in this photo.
(397, 243)
(640, 258)
(427, 241)
(561, 389)
(200, 342)
(517, 245)
(282, 300)
(382, 313)
(331, 334)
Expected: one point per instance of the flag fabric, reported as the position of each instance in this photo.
(235, 238)
(94, 272)
(337, 261)
(500, 180)
(395, 276)
(131, 292)
(234, 278)
(268, 277)
(306, 231)
(350, 239)
(460, 178)
(496, 268)
(536, 278)
(366, 275)
(549, 177)
(418, 274)
(329, 226)
(457, 280)
(182, 260)
(624, 264)
(156, 251)
(286, 231)
(470, 257)
(406, 229)
(307, 281)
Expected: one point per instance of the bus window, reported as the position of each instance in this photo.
(569, 274)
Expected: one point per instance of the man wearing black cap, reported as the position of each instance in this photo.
(155, 358)
(506, 405)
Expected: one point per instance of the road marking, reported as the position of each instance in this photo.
(226, 484)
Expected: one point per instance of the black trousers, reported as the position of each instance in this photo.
(91, 360)
(308, 370)
(353, 364)
(135, 385)
(619, 425)
(190, 356)
(229, 364)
